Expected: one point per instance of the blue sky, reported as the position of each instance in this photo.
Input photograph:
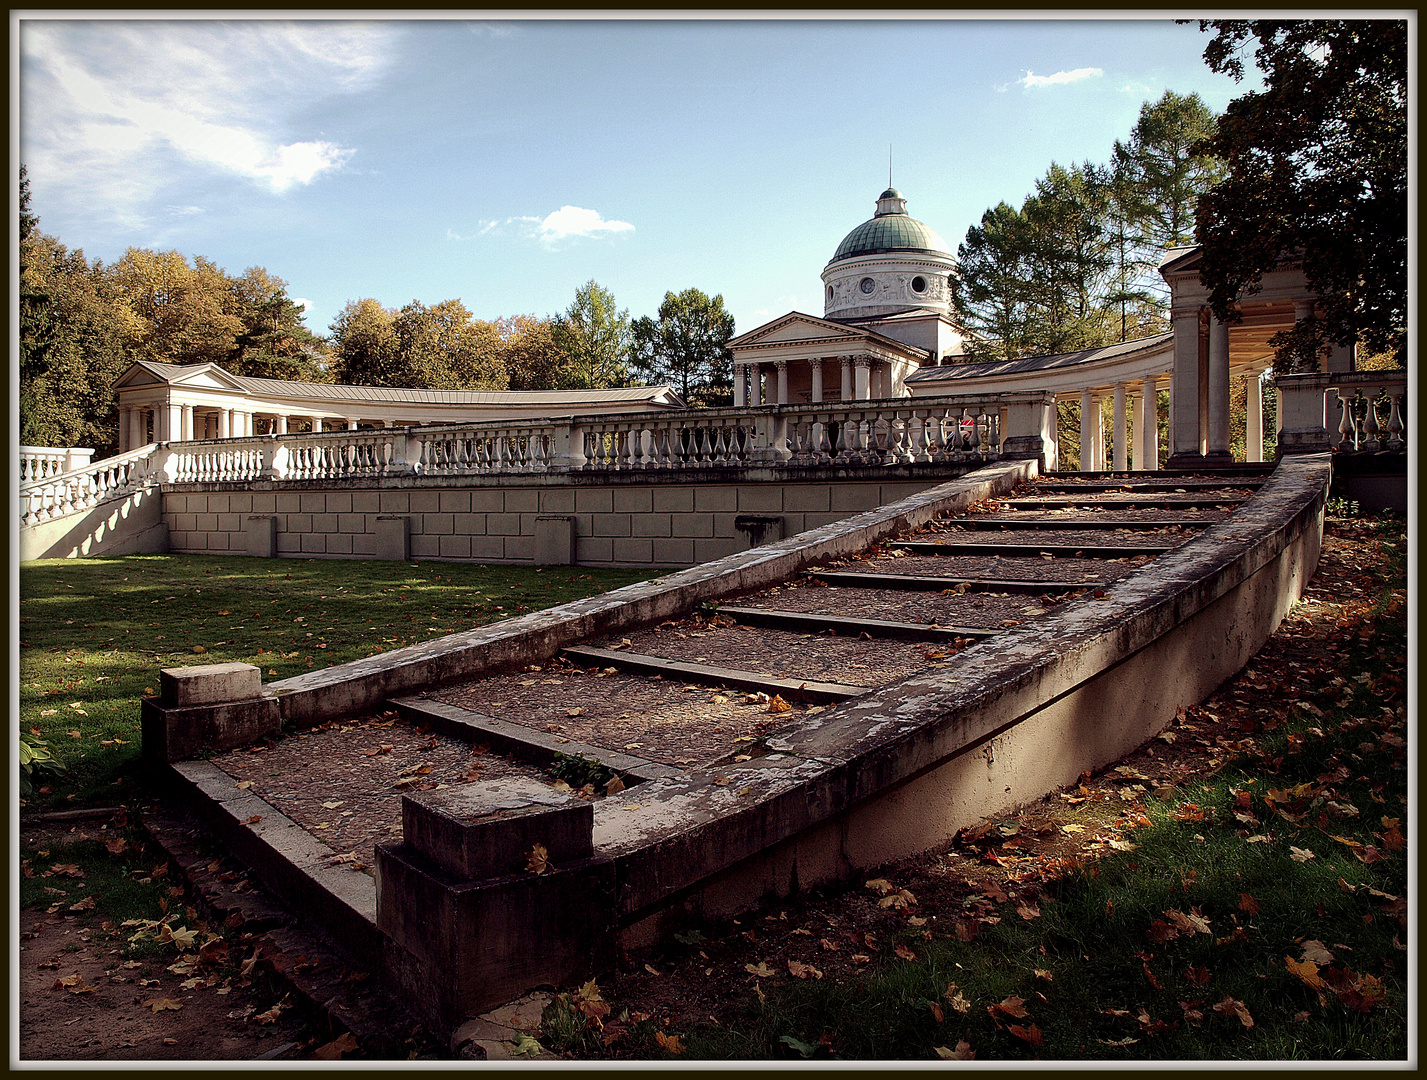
(508, 162)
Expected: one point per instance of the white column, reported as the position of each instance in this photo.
(862, 388)
(225, 423)
(138, 428)
(351, 423)
(1087, 434)
(1147, 438)
(740, 385)
(782, 366)
(847, 385)
(1121, 461)
(282, 424)
(1099, 410)
(1253, 424)
(173, 422)
(1184, 386)
(124, 429)
(186, 424)
(816, 365)
(1218, 389)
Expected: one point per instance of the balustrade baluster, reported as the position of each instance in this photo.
(1370, 428)
(1395, 440)
(1347, 425)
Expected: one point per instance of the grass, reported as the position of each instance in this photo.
(95, 632)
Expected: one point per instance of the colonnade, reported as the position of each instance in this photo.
(860, 378)
(178, 422)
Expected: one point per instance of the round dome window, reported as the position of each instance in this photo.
(867, 285)
(829, 294)
(919, 284)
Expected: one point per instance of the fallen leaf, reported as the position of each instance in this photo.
(1230, 1007)
(670, 1043)
(537, 860)
(778, 705)
(1298, 854)
(803, 971)
(1304, 970)
(1248, 903)
(761, 969)
(881, 886)
(1012, 1006)
(160, 1004)
(963, 1052)
(1031, 1034)
(905, 953)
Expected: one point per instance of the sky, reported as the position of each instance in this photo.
(507, 162)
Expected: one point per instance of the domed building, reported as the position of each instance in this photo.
(886, 313)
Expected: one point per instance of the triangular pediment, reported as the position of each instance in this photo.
(795, 326)
(197, 376)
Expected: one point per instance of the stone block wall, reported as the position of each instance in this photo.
(644, 523)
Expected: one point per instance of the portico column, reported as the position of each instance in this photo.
(816, 365)
(1184, 390)
(782, 368)
(1121, 461)
(740, 385)
(124, 432)
(1147, 416)
(862, 388)
(351, 423)
(1253, 423)
(173, 422)
(282, 423)
(846, 388)
(1099, 411)
(186, 424)
(1218, 434)
(1087, 432)
(138, 433)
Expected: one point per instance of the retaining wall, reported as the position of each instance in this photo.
(630, 519)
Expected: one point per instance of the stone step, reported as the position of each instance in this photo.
(520, 741)
(1100, 522)
(1169, 502)
(877, 628)
(1017, 551)
(1132, 486)
(972, 585)
(643, 664)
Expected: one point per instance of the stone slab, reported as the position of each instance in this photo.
(209, 684)
(880, 628)
(801, 689)
(489, 828)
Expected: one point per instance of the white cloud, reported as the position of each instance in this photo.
(566, 223)
(104, 102)
(574, 221)
(302, 302)
(1030, 80)
(184, 211)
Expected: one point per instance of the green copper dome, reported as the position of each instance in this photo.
(890, 229)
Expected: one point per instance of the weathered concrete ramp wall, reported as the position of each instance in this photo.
(901, 769)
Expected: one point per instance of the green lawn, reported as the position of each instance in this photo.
(95, 632)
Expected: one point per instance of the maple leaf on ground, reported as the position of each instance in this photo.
(1304, 970)
(537, 859)
(905, 953)
(1012, 1006)
(963, 1052)
(87, 904)
(160, 1004)
(898, 900)
(1160, 931)
(333, 1050)
(1248, 903)
(761, 969)
(1299, 854)
(1230, 1007)
(881, 886)
(1314, 951)
(1199, 976)
(669, 1043)
(1028, 910)
(1031, 1034)
(803, 971)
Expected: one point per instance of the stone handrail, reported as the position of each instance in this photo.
(85, 487)
(1357, 411)
(43, 462)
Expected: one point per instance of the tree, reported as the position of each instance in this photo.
(444, 348)
(533, 360)
(273, 343)
(687, 347)
(1316, 173)
(365, 349)
(989, 293)
(594, 337)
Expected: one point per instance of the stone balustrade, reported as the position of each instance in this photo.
(967, 429)
(1348, 412)
(82, 488)
(41, 462)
